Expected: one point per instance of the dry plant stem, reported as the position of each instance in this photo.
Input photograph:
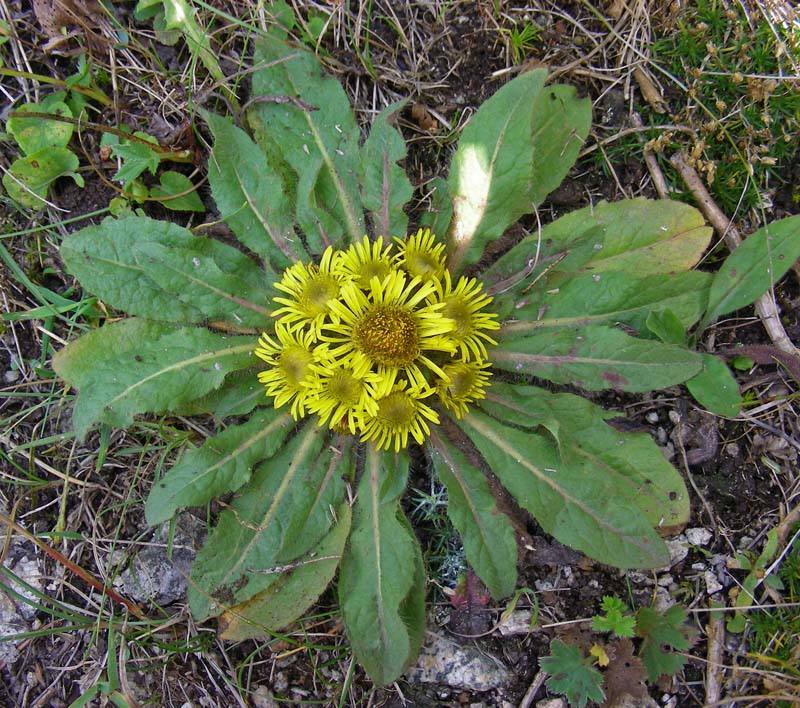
(715, 632)
(533, 689)
(659, 181)
(765, 305)
(76, 569)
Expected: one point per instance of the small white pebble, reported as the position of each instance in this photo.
(699, 536)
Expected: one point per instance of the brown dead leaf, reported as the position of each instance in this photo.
(422, 116)
(85, 15)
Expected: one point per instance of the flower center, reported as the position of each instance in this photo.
(295, 362)
(397, 410)
(345, 388)
(316, 294)
(388, 336)
(461, 316)
(422, 264)
(370, 270)
(462, 380)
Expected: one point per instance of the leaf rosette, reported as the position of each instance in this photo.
(342, 350)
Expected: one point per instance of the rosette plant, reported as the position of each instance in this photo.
(327, 337)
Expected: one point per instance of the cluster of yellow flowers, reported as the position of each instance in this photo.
(372, 335)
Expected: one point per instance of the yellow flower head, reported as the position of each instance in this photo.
(364, 261)
(291, 359)
(464, 305)
(371, 342)
(390, 326)
(400, 413)
(420, 256)
(344, 395)
(312, 288)
(466, 383)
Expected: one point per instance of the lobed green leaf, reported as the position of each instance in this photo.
(315, 133)
(594, 357)
(385, 187)
(516, 149)
(571, 674)
(632, 465)
(586, 511)
(281, 514)
(379, 578)
(130, 367)
(222, 464)
(487, 534)
(754, 267)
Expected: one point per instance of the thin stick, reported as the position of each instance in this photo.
(533, 689)
(659, 181)
(76, 569)
(765, 305)
(715, 631)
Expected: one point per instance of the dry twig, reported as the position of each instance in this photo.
(715, 632)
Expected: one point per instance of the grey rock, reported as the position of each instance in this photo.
(17, 615)
(517, 622)
(699, 536)
(444, 662)
(154, 576)
(678, 549)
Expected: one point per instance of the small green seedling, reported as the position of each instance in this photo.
(643, 647)
(46, 156)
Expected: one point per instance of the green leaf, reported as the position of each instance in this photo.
(594, 357)
(386, 188)
(667, 326)
(293, 592)
(487, 534)
(280, 515)
(103, 258)
(569, 500)
(616, 296)
(754, 267)
(136, 157)
(514, 151)
(239, 394)
(715, 388)
(616, 618)
(641, 236)
(148, 376)
(251, 195)
(223, 464)
(378, 578)
(36, 134)
(664, 635)
(571, 675)
(439, 207)
(631, 464)
(28, 178)
(318, 141)
(175, 183)
(209, 276)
